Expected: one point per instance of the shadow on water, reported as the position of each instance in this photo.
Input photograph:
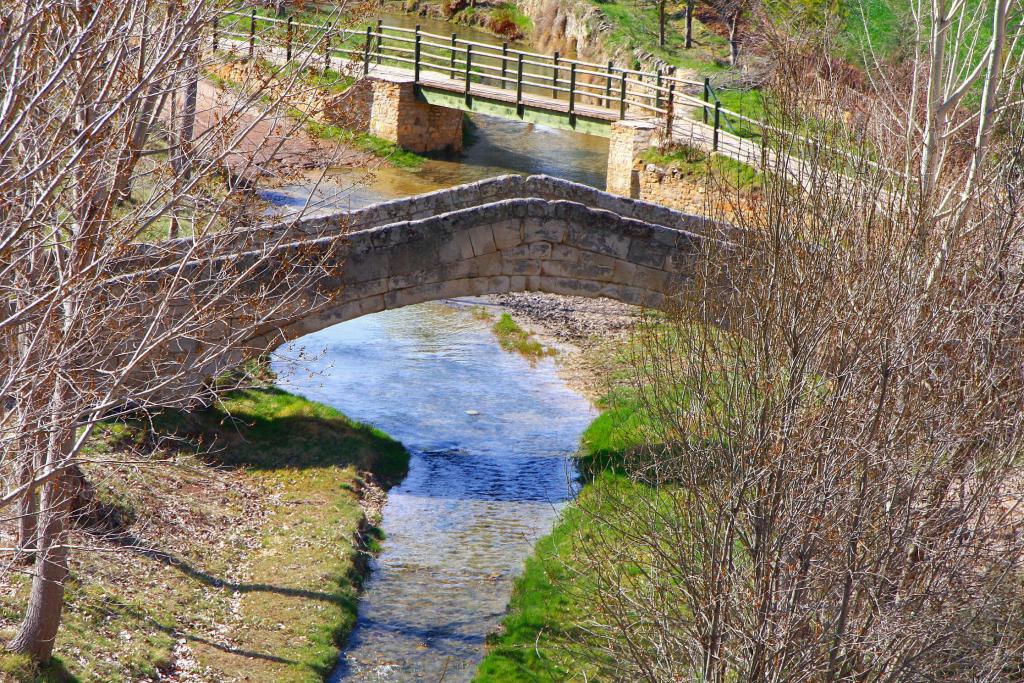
(491, 439)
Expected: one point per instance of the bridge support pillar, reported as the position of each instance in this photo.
(397, 116)
(628, 141)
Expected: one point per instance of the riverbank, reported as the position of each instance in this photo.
(228, 543)
(553, 598)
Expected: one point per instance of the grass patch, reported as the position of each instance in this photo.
(698, 165)
(554, 607)
(636, 26)
(481, 313)
(513, 337)
(395, 155)
(248, 520)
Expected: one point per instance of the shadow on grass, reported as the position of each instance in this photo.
(269, 428)
(132, 544)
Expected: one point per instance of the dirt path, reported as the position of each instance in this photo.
(271, 144)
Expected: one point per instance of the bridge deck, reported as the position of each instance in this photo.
(484, 98)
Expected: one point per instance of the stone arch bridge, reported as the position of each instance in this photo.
(507, 234)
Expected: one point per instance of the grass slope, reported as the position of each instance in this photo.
(241, 562)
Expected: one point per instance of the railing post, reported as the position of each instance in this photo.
(416, 60)
(288, 41)
(670, 111)
(657, 90)
(572, 94)
(718, 113)
(469, 67)
(216, 25)
(707, 94)
(519, 86)
(504, 62)
(366, 50)
(451, 66)
(380, 41)
(327, 50)
(252, 34)
(622, 97)
(554, 78)
(608, 85)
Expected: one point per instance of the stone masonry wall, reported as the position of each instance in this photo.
(433, 204)
(396, 115)
(557, 246)
(513, 245)
(629, 139)
(669, 187)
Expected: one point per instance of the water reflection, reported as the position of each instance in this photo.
(481, 488)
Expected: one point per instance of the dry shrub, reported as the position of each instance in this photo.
(827, 479)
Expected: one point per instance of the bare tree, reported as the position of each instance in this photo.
(826, 484)
(733, 14)
(689, 22)
(95, 325)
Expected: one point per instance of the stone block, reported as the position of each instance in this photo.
(525, 267)
(455, 248)
(536, 250)
(564, 252)
(544, 230)
(590, 238)
(410, 257)
(629, 139)
(482, 240)
(478, 266)
(507, 234)
(648, 253)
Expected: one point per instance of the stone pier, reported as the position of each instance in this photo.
(628, 141)
(399, 117)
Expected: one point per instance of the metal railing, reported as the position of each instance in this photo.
(547, 81)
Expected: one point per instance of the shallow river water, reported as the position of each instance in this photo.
(491, 438)
(482, 487)
(493, 147)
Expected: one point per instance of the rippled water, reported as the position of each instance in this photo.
(481, 487)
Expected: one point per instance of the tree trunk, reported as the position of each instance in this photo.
(689, 23)
(734, 40)
(28, 511)
(661, 23)
(38, 631)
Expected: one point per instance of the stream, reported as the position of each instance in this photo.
(491, 438)
(493, 147)
(491, 435)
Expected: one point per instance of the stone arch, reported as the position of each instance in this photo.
(509, 245)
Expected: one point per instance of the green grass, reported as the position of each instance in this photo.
(512, 337)
(395, 155)
(553, 600)
(636, 26)
(302, 463)
(698, 165)
(550, 600)
(554, 608)
(553, 597)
